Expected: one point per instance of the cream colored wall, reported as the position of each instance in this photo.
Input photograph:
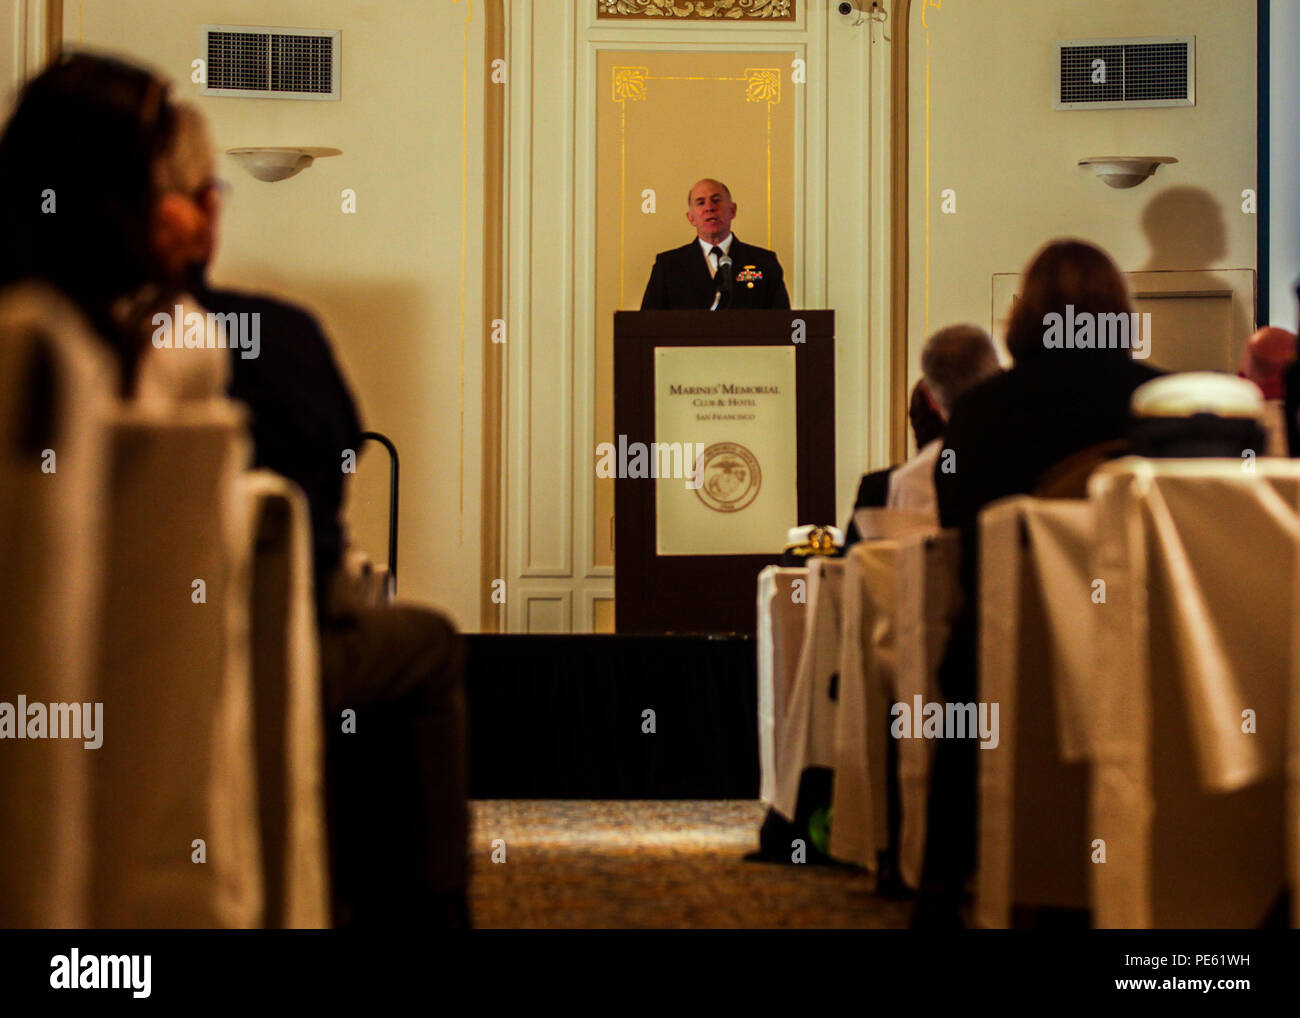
(995, 139)
(397, 285)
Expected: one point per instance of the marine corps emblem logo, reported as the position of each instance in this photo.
(729, 477)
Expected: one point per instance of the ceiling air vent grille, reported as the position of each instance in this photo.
(271, 63)
(1095, 74)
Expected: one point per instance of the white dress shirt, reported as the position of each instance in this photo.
(911, 485)
(725, 244)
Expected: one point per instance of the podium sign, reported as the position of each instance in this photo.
(733, 414)
(735, 407)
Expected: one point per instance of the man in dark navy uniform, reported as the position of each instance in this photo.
(688, 277)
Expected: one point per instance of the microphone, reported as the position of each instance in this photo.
(723, 279)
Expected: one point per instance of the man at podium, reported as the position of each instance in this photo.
(716, 270)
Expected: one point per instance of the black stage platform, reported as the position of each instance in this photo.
(560, 717)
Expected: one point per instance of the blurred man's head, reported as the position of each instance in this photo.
(710, 210)
(1268, 354)
(185, 216)
(927, 422)
(954, 360)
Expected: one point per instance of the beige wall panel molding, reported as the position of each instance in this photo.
(547, 610)
(540, 445)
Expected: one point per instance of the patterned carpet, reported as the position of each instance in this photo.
(577, 864)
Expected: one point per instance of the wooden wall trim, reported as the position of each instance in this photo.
(492, 616)
(900, 25)
(53, 29)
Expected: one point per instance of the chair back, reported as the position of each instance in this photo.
(57, 391)
(174, 815)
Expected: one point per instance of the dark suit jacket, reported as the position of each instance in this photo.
(1004, 435)
(873, 493)
(680, 279)
(302, 415)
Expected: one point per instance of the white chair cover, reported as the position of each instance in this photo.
(1035, 663)
(1200, 559)
(900, 598)
(177, 764)
(286, 673)
(929, 600)
(51, 530)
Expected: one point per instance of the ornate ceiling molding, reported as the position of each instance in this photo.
(696, 10)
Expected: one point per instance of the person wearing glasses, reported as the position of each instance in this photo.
(93, 212)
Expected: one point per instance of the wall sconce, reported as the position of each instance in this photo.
(1125, 171)
(278, 163)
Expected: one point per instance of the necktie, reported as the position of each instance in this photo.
(717, 258)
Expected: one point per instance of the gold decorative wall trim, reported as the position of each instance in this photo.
(762, 85)
(696, 10)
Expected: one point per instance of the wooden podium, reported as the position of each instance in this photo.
(704, 592)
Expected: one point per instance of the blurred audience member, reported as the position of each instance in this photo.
(953, 361)
(91, 211)
(1055, 402)
(398, 784)
(1268, 356)
(873, 489)
(112, 202)
(926, 420)
(1291, 399)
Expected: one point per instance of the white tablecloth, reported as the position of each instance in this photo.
(805, 735)
(782, 609)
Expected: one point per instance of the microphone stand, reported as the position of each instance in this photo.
(724, 284)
